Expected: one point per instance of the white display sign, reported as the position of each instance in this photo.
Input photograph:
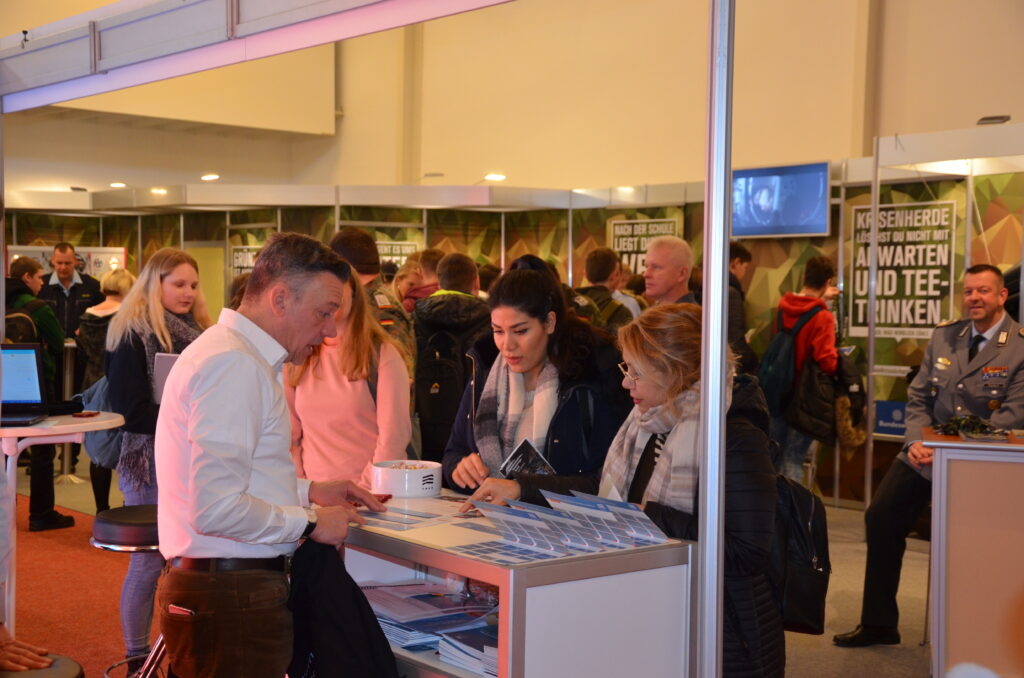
(629, 237)
(396, 250)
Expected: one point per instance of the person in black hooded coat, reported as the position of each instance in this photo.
(661, 370)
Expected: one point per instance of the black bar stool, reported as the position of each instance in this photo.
(130, 529)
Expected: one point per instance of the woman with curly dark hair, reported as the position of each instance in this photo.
(545, 377)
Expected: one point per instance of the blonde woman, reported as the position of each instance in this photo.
(349, 400)
(163, 313)
(408, 277)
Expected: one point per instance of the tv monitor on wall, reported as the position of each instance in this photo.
(781, 202)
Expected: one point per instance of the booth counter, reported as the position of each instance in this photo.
(598, 615)
(977, 582)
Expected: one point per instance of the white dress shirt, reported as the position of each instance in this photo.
(227, 484)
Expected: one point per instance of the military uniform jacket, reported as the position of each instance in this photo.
(393, 318)
(990, 387)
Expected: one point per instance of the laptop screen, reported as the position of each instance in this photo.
(20, 383)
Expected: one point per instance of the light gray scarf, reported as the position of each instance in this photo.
(674, 481)
(501, 404)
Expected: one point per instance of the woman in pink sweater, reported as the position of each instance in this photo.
(339, 427)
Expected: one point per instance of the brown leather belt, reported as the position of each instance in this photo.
(279, 564)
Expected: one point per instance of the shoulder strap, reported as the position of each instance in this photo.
(605, 314)
(804, 319)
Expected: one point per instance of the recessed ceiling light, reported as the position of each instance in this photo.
(117, 184)
(210, 177)
(158, 191)
(494, 176)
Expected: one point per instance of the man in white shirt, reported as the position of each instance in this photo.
(231, 508)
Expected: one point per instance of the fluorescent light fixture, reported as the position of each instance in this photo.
(117, 184)
(210, 177)
(158, 191)
(625, 189)
(494, 176)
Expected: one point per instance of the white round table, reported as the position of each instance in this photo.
(50, 431)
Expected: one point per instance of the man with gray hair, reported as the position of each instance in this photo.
(231, 506)
(667, 274)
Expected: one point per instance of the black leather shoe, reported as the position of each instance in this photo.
(865, 636)
(51, 521)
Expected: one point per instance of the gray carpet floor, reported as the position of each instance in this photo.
(806, 656)
(816, 656)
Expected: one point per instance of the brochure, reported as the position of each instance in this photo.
(525, 459)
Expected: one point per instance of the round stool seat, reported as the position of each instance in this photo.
(129, 526)
(62, 667)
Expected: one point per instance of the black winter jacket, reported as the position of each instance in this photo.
(754, 644)
(589, 412)
(737, 330)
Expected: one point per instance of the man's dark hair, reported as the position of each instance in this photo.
(358, 248)
(989, 268)
(738, 251)
(23, 265)
(601, 264)
(429, 259)
(818, 271)
(64, 247)
(488, 274)
(457, 272)
(292, 258)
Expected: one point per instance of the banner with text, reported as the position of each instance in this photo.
(915, 269)
(630, 238)
(395, 250)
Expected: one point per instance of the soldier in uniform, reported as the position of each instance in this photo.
(358, 248)
(971, 366)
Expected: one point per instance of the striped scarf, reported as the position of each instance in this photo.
(674, 481)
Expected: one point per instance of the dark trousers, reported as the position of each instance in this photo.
(896, 506)
(241, 626)
(40, 498)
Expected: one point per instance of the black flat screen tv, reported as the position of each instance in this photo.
(781, 202)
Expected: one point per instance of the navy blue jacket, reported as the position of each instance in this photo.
(589, 413)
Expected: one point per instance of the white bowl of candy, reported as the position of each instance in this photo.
(406, 478)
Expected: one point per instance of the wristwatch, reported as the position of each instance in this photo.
(311, 522)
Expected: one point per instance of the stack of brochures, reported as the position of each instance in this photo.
(475, 650)
(575, 524)
(414, 615)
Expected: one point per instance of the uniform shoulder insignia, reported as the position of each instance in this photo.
(947, 323)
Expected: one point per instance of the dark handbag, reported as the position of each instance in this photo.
(800, 567)
(811, 408)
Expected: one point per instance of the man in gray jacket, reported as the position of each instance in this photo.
(971, 366)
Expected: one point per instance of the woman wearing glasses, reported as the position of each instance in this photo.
(653, 462)
(543, 377)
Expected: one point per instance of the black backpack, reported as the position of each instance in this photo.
(800, 566)
(778, 369)
(442, 370)
(19, 327)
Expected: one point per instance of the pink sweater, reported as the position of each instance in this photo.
(337, 432)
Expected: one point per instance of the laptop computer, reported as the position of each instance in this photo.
(22, 391)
